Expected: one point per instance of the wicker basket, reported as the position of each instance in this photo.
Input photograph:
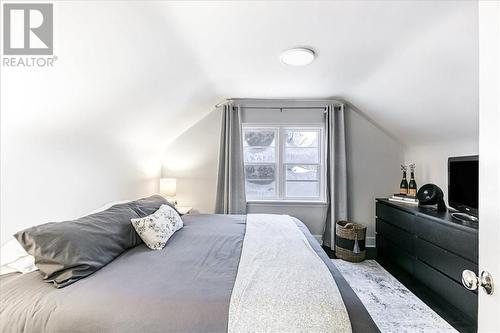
(350, 241)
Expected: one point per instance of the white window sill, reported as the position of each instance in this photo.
(287, 202)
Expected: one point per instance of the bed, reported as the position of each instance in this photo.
(198, 283)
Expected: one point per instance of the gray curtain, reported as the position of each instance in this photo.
(336, 171)
(231, 197)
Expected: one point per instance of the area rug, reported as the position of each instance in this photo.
(392, 306)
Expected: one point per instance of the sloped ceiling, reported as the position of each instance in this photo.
(411, 67)
(143, 72)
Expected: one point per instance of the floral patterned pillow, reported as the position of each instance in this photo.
(157, 228)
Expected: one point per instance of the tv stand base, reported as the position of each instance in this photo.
(465, 217)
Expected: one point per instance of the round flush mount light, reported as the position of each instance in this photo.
(298, 56)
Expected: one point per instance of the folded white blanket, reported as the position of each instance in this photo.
(282, 285)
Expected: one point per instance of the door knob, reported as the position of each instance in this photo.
(472, 282)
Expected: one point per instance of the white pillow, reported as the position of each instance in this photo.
(157, 228)
(14, 258)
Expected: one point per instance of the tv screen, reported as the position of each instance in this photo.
(463, 183)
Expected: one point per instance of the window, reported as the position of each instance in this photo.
(284, 163)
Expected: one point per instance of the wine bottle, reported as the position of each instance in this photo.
(403, 187)
(412, 187)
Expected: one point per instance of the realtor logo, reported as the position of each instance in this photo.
(28, 29)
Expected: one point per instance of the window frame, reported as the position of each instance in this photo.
(281, 165)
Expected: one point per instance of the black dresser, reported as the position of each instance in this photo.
(431, 246)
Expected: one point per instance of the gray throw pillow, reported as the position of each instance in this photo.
(147, 206)
(68, 251)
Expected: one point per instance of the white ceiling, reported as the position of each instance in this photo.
(143, 72)
(411, 67)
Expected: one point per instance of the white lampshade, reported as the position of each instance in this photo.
(168, 187)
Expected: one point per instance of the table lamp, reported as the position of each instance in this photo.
(168, 189)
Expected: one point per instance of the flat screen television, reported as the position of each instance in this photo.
(463, 184)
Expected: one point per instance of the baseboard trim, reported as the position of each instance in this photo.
(370, 241)
(319, 238)
(371, 252)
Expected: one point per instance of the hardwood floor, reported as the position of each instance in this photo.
(449, 313)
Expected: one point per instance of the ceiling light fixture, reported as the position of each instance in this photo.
(298, 56)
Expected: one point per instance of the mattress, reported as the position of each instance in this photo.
(186, 287)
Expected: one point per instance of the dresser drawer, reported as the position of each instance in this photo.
(398, 236)
(442, 260)
(457, 241)
(395, 216)
(391, 252)
(451, 291)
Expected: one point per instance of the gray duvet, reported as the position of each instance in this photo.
(186, 287)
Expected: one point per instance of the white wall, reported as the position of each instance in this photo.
(373, 165)
(74, 136)
(489, 163)
(192, 158)
(55, 174)
(373, 171)
(91, 129)
(432, 160)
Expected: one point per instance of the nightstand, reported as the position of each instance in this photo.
(184, 210)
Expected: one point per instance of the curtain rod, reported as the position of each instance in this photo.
(326, 101)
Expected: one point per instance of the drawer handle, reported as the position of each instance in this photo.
(471, 281)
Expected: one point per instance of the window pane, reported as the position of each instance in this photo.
(256, 191)
(302, 155)
(260, 181)
(296, 189)
(299, 162)
(253, 154)
(301, 138)
(302, 172)
(259, 137)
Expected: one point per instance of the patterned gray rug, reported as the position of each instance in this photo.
(393, 307)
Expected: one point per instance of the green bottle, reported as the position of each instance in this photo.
(412, 187)
(403, 187)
